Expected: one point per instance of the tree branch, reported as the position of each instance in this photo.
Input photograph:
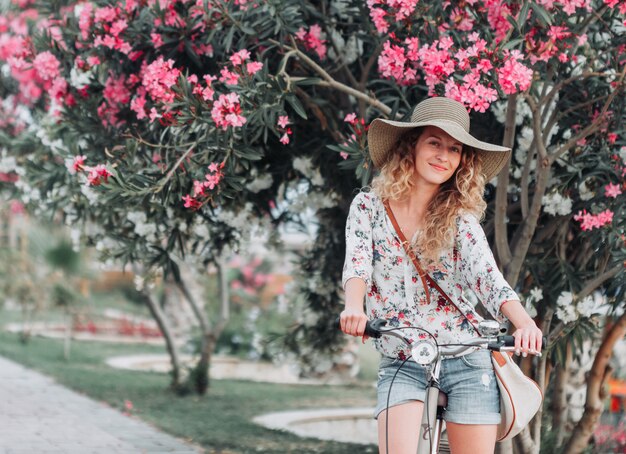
(593, 284)
(595, 125)
(500, 222)
(332, 83)
(525, 180)
(597, 377)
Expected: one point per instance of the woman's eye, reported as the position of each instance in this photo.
(434, 144)
(456, 150)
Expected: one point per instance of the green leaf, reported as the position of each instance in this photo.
(523, 14)
(513, 43)
(541, 13)
(308, 81)
(296, 105)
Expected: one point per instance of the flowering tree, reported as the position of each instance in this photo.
(167, 131)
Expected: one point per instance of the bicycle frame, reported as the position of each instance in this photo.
(432, 418)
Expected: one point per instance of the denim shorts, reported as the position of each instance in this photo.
(469, 381)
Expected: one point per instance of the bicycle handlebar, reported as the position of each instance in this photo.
(376, 328)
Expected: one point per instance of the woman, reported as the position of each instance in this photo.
(432, 176)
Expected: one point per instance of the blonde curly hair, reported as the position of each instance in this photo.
(462, 193)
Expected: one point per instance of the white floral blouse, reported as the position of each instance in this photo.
(375, 254)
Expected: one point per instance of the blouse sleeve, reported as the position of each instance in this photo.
(359, 249)
(478, 268)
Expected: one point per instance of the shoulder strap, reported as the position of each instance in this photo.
(422, 274)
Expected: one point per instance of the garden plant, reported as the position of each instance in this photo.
(172, 132)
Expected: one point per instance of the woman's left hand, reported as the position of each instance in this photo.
(528, 338)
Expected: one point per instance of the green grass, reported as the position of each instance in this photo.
(219, 421)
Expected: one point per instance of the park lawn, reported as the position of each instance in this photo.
(219, 421)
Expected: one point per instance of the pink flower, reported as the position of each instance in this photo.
(93, 60)
(227, 111)
(203, 49)
(158, 78)
(514, 76)
(254, 67)
(344, 155)
(228, 77)
(611, 137)
(128, 405)
(138, 105)
(192, 203)
(214, 167)
(115, 90)
(154, 114)
(47, 66)
(239, 57)
(98, 175)
(351, 118)
(213, 179)
(283, 121)
(118, 27)
(312, 40)
(378, 17)
(85, 20)
(284, 139)
(77, 164)
(106, 14)
(392, 61)
(589, 221)
(157, 40)
(612, 190)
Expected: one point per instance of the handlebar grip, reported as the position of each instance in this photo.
(372, 328)
(509, 341)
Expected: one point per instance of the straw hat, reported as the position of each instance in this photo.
(444, 113)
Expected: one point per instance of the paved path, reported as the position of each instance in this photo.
(39, 416)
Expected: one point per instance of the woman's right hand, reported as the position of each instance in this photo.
(353, 322)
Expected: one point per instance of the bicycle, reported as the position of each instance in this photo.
(428, 353)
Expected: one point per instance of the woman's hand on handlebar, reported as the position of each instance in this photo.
(353, 322)
(528, 339)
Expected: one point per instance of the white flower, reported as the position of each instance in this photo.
(587, 307)
(147, 230)
(139, 282)
(556, 204)
(8, 164)
(565, 299)
(524, 140)
(536, 295)
(622, 154)
(566, 314)
(136, 217)
(305, 167)
(201, 230)
(78, 78)
(260, 183)
(75, 234)
(584, 192)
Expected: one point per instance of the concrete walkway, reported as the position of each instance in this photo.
(39, 416)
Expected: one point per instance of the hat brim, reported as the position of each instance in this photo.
(383, 135)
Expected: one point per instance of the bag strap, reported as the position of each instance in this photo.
(422, 274)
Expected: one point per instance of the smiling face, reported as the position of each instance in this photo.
(437, 156)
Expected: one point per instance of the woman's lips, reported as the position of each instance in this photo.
(439, 168)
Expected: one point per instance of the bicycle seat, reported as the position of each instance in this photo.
(442, 400)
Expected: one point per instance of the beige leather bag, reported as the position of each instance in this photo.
(520, 397)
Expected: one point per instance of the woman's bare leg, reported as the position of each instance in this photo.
(472, 438)
(404, 425)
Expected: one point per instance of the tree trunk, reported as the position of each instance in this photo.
(559, 399)
(506, 447)
(210, 334)
(170, 343)
(67, 342)
(595, 393)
